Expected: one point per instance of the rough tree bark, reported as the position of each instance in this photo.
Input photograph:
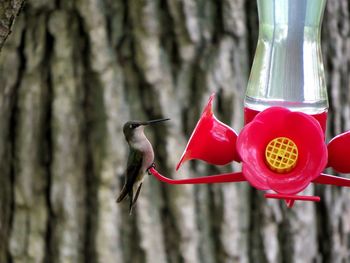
(72, 72)
(9, 10)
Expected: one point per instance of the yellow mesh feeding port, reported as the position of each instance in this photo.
(281, 155)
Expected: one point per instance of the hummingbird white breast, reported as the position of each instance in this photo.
(142, 144)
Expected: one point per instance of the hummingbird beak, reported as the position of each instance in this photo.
(154, 121)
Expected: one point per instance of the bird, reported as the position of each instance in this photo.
(140, 159)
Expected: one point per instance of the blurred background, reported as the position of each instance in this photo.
(73, 72)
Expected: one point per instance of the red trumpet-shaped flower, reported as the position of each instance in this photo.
(282, 150)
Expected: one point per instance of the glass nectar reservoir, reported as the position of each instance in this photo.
(288, 69)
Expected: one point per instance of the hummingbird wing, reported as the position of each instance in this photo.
(132, 171)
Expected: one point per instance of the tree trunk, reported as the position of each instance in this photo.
(72, 72)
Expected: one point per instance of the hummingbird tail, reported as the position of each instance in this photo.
(134, 199)
(122, 195)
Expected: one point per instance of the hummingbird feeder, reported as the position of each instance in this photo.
(282, 146)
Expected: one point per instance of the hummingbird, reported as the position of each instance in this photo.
(140, 158)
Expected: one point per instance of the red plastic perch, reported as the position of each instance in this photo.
(332, 180)
(290, 199)
(211, 179)
(293, 197)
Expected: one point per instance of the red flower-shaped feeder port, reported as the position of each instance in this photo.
(211, 141)
(339, 153)
(280, 150)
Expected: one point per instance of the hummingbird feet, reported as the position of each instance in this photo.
(153, 165)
